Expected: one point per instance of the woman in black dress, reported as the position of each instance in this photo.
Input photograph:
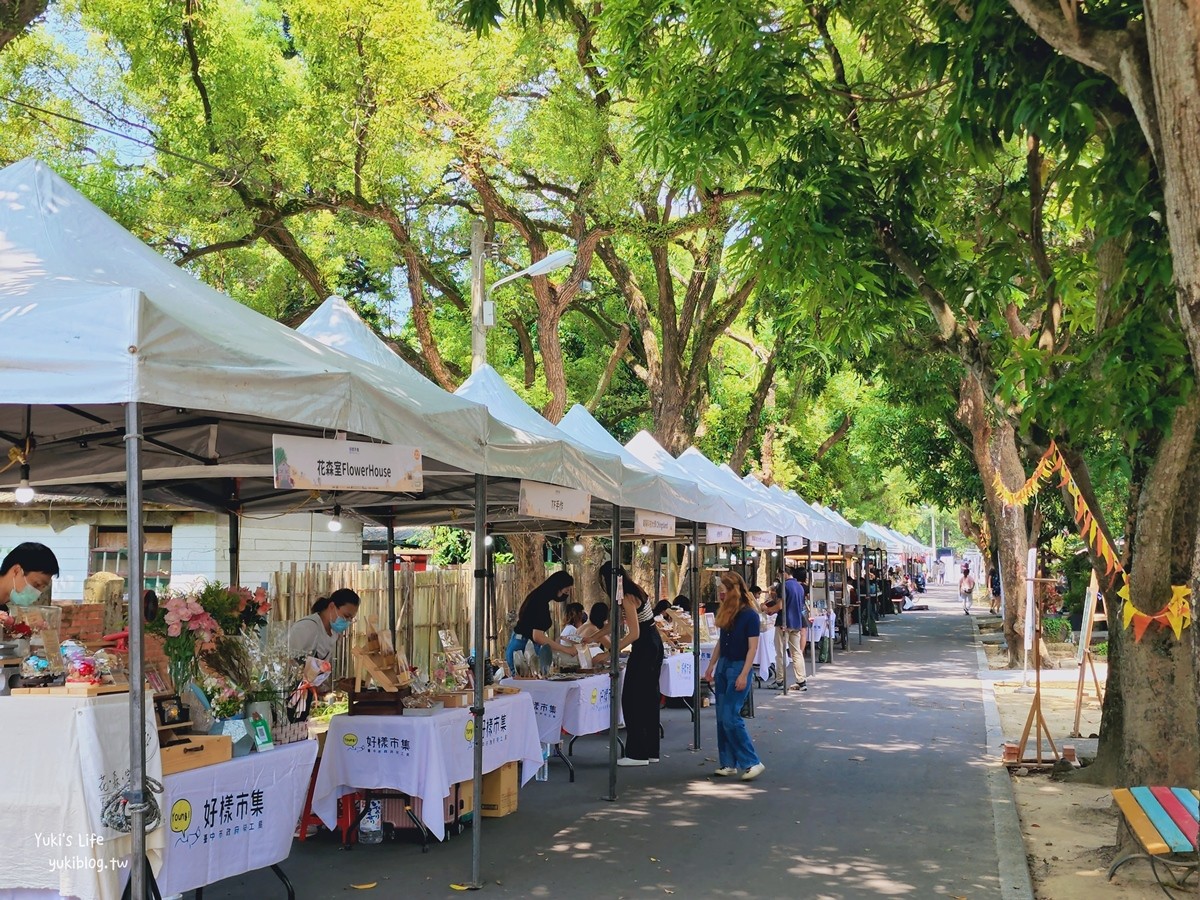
(639, 695)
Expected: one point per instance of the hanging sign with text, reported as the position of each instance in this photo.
(324, 465)
(761, 540)
(653, 524)
(794, 542)
(717, 534)
(550, 501)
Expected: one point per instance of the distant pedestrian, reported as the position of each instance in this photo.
(994, 584)
(941, 571)
(966, 587)
(729, 674)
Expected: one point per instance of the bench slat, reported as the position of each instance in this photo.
(1183, 819)
(1139, 823)
(1189, 799)
(1167, 828)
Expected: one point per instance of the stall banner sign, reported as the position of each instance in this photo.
(833, 548)
(717, 534)
(794, 542)
(550, 501)
(653, 524)
(1030, 574)
(315, 464)
(761, 540)
(233, 817)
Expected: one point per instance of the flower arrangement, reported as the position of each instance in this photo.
(225, 699)
(192, 624)
(11, 628)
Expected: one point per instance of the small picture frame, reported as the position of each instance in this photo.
(155, 680)
(171, 710)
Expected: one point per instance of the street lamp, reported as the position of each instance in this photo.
(482, 317)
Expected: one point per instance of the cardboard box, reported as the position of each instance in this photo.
(500, 791)
(200, 750)
(456, 699)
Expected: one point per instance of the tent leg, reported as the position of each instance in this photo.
(135, 795)
(235, 548)
(614, 669)
(481, 580)
(694, 591)
(391, 576)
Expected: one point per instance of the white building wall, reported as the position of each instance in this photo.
(199, 552)
(71, 545)
(302, 538)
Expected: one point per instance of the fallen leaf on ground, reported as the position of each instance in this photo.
(364, 887)
(858, 758)
(459, 887)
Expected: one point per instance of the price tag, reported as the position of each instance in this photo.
(550, 501)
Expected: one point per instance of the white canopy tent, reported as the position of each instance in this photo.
(119, 363)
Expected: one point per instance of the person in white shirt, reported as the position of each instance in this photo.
(317, 633)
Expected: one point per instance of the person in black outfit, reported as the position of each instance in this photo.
(534, 621)
(639, 695)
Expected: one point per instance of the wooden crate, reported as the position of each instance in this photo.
(500, 791)
(200, 750)
(378, 703)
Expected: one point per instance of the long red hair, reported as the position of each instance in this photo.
(737, 598)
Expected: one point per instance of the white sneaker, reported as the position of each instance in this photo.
(626, 761)
(726, 771)
(753, 772)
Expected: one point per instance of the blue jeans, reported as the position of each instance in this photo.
(733, 740)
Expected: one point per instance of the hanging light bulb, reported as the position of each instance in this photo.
(578, 548)
(733, 557)
(691, 548)
(754, 554)
(24, 492)
(645, 548)
(335, 524)
(774, 553)
(488, 540)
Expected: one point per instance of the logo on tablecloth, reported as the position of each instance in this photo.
(350, 740)
(595, 696)
(225, 816)
(181, 816)
(379, 743)
(545, 709)
(469, 731)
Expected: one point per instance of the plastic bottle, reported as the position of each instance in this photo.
(370, 829)
(543, 772)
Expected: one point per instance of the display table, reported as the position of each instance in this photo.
(233, 817)
(678, 674)
(423, 756)
(573, 708)
(65, 758)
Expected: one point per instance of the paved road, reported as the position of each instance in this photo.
(876, 786)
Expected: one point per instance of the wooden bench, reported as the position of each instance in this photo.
(1164, 823)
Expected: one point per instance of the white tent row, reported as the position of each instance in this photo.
(864, 540)
(895, 542)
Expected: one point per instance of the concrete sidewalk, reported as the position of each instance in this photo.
(878, 784)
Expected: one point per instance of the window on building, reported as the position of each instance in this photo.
(110, 553)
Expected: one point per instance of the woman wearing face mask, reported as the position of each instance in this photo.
(25, 574)
(534, 621)
(317, 633)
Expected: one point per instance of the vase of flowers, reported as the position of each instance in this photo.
(186, 628)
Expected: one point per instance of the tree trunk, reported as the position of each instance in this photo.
(994, 447)
(528, 554)
(16, 16)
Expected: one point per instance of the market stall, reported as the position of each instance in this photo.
(423, 756)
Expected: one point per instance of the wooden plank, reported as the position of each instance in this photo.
(1167, 829)
(1184, 820)
(1139, 823)
(1189, 799)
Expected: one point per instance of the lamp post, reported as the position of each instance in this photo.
(480, 304)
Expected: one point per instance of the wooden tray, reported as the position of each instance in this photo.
(378, 703)
(72, 690)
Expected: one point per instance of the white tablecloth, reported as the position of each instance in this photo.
(423, 756)
(678, 678)
(234, 817)
(576, 707)
(763, 660)
(822, 624)
(64, 757)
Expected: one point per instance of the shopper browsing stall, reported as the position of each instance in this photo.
(729, 674)
(317, 633)
(25, 574)
(534, 621)
(639, 695)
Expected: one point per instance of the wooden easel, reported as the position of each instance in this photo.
(375, 659)
(1035, 708)
(1086, 660)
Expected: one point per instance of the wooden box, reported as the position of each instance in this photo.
(500, 791)
(200, 750)
(457, 699)
(378, 703)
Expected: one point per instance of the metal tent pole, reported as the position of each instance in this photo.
(781, 665)
(693, 585)
(480, 564)
(235, 547)
(614, 655)
(136, 797)
(812, 650)
(390, 561)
